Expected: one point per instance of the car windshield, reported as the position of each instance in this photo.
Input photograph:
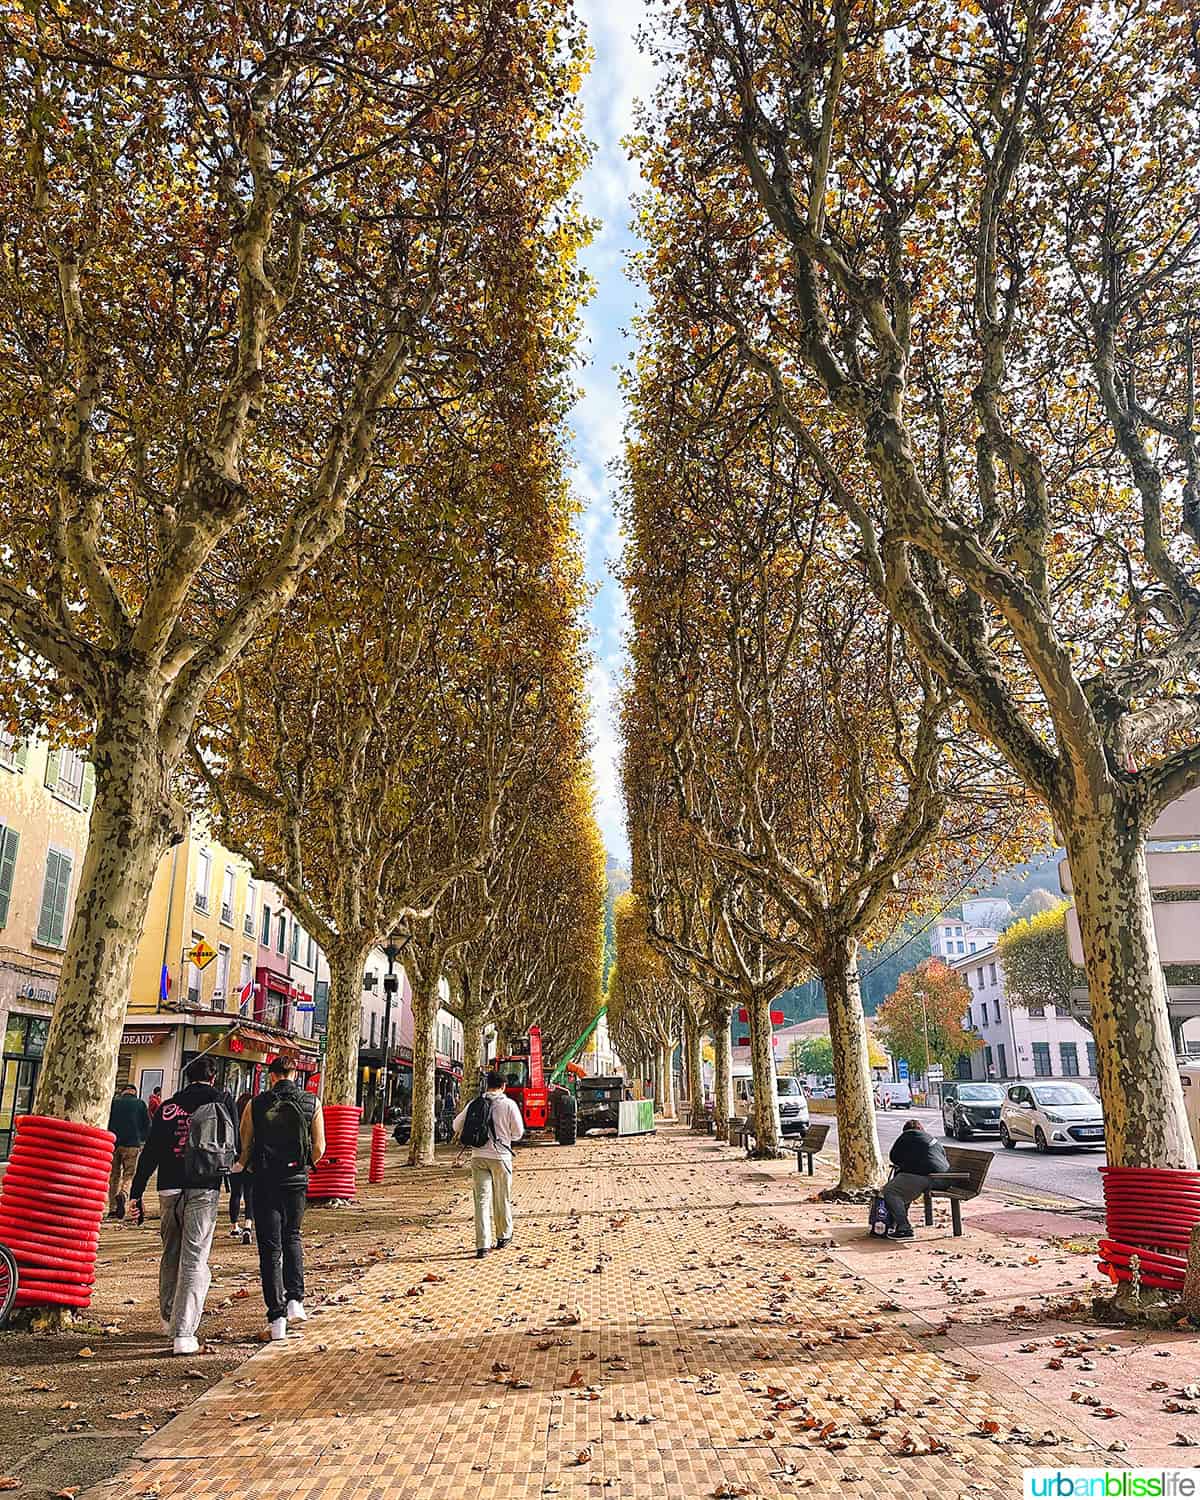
(515, 1071)
(788, 1088)
(1065, 1093)
(981, 1093)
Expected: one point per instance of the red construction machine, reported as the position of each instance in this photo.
(542, 1104)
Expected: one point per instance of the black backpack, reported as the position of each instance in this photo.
(477, 1127)
(282, 1142)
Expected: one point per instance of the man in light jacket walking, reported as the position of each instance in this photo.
(490, 1125)
(189, 1192)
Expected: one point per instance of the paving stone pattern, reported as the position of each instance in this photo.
(659, 1328)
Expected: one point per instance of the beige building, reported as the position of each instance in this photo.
(204, 893)
(45, 797)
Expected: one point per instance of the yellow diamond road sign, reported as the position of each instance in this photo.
(202, 954)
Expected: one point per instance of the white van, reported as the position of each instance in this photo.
(893, 1095)
(793, 1105)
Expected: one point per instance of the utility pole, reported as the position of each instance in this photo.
(392, 951)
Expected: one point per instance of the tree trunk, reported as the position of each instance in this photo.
(472, 1047)
(425, 1001)
(723, 1071)
(861, 1161)
(666, 1067)
(768, 1133)
(1145, 1120)
(131, 826)
(656, 1077)
(344, 1027)
(695, 1077)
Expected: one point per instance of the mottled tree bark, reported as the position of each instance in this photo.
(132, 823)
(695, 1076)
(344, 1031)
(860, 1159)
(768, 1132)
(1145, 1120)
(472, 1046)
(426, 997)
(723, 1069)
(666, 1065)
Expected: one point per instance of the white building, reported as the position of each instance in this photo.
(955, 937)
(1039, 1042)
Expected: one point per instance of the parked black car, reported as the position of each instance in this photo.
(971, 1109)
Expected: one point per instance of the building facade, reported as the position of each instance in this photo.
(1019, 1042)
(244, 1005)
(977, 927)
(45, 799)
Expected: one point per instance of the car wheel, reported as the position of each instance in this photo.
(1006, 1140)
(961, 1133)
(1040, 1141)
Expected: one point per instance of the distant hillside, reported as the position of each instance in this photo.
(880, 968)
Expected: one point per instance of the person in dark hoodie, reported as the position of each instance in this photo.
(189, 1193)
(916, 1156)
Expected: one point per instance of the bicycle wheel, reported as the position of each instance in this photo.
(8, 1283)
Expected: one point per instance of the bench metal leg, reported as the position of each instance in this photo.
(956, 1215)
(928, 1209)
(810, 1164)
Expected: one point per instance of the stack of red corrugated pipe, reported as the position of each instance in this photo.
(52, 1200)
(336, 1174)
(378, 1152)
(1150, 1212)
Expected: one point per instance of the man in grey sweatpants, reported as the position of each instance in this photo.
(188, 1209)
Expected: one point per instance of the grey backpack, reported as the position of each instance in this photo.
(210, 1151)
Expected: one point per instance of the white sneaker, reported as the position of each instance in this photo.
(296, 1313)
(186, 1346)
(235, 1231)
(278, 1328)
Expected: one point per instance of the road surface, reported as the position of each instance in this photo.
(1066, 1174)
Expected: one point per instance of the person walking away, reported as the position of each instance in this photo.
(446, 1116)
(283, 1134)
(129, 1121)
(193, 1144)
(241, 1190)
(490, 1125)
(154, 1103)
(916, 1156)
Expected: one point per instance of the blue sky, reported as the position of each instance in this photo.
(619, 76)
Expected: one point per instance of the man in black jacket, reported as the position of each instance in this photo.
(129, 1121)
(916, 1156)
(188, 1202)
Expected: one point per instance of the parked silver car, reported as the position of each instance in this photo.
(1051, 1116)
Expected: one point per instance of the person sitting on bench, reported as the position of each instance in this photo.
(916, 1156)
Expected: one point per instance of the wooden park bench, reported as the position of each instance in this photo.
(808, 1145)
(964, 1180)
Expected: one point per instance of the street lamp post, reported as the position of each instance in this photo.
(392, 951)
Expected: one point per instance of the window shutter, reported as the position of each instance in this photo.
(22, 755)
(53, 757)
(53, 919)
(9, 841)
(49, 887)
(89, 785)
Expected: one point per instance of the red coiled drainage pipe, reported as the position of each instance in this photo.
(53, 1196)
(1150, 1213)
(378, 1152)
(336, 1174)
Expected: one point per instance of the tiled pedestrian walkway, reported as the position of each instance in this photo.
(657, 1331)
